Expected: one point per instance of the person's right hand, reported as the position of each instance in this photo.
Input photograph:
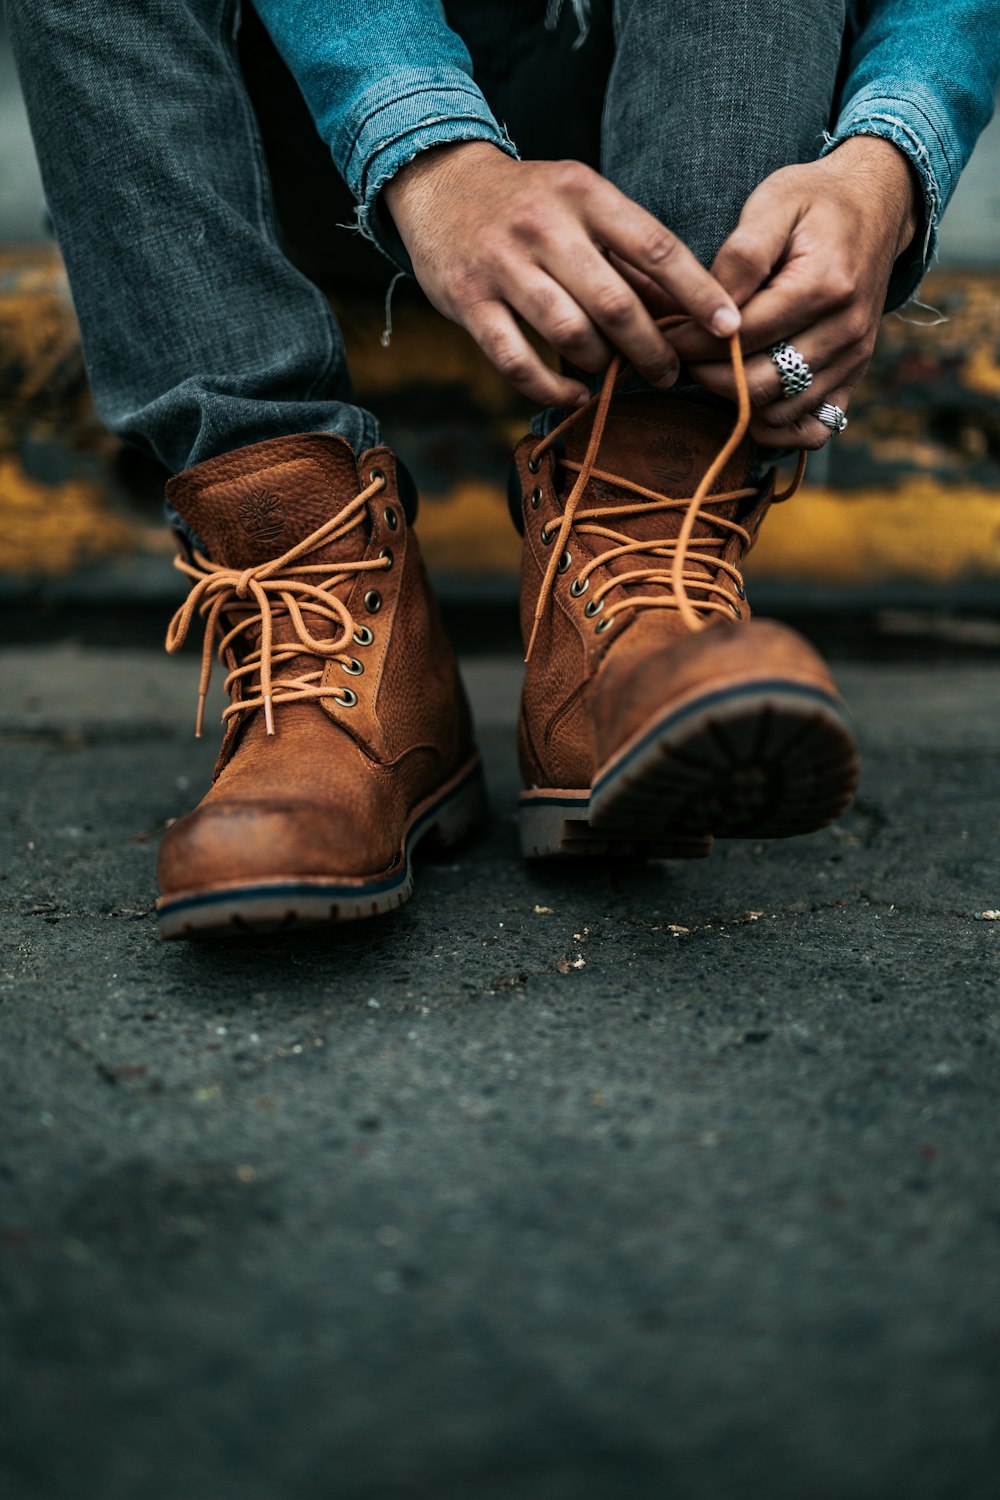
(492, 239)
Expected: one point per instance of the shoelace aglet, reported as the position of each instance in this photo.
(268, 714)
(199, 718)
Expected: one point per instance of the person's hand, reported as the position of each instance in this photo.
(809, 262)
(493, 240)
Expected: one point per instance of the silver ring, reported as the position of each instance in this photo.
(796, 375)
(831, 416)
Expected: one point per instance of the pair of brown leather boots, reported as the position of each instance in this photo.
(654, 714)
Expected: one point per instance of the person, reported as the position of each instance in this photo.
(713, 204)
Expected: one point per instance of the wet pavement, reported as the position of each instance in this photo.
(560, 1184)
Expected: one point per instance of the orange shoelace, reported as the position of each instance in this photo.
(282, 587)
(677, 552)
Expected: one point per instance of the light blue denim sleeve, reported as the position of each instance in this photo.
(383, 79)
(922, 74)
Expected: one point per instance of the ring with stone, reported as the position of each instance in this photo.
(831, 416)
(796, 375)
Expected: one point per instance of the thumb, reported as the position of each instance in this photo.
(757, 245)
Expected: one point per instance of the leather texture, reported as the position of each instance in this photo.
(588, 689)
(330, 793)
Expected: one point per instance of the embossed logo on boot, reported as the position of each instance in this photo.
(262, 516)
(671, 460)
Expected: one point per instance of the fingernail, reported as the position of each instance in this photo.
(666, 380)
(581, 400)
(725, 322)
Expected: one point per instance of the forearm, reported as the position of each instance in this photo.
(383, 82)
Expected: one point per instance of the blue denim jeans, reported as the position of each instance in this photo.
(201, 335)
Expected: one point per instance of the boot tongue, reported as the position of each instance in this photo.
(664, 444)
(254, 504)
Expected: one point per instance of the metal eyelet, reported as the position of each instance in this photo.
(373, 601)
(536, 497)
(363, 636)
(346, 697)
(387, 552)
(741, 592)
(544, 538)
(534, 464)
(736, 610)
(353, 668)
(593, 607)
(579, 586)
(603, 625)
(565, 563)
(391, 519)
(376, 475)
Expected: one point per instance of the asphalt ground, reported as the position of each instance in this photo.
(567, 1183)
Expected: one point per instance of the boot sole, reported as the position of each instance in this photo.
(772, 759)
(453, 813)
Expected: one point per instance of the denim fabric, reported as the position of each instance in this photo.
(382, 83)
(389, 78)
(199, 334)
(922, 76)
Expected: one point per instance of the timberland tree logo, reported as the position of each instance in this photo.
(262, 516)
(671, 460)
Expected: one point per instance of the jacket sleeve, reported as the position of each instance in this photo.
(922, 75)
(383, 80)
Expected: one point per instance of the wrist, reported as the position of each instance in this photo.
(888, 174)
(429, 167)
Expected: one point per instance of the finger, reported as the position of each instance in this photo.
(805, 431)
(616, 310)
(495, 330)
(560, 319)
(822, 347)
(801, 296)
(653, 298)
(633, 234)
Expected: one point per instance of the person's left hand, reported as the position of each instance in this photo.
(809, 262)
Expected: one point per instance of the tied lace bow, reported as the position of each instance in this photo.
(282, 587)
(680, 576)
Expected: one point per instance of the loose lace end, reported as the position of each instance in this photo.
(199, 718)
(268, 714)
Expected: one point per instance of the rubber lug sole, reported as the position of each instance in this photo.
(451, 815)
(769, 760)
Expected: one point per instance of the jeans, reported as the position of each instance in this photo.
(201, 336)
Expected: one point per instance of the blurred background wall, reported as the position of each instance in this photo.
(902, 511)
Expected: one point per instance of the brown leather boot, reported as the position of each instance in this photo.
(655, 713)
(348, 738)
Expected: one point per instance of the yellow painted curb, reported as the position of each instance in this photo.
(929, 531)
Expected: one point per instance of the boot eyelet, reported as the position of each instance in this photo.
(363, 636)
(387, 552)
(736, 610)
(534, 464)
(603, 625)
(353, 668)
(346, 697)
(376, 475)
(579, 586)
(544, 537)
(565, 563)
(391, 518)
(741, 592)
(593, 607)
(373, 601)
(536, 497)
